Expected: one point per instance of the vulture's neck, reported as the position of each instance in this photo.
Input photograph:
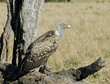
(59, 33)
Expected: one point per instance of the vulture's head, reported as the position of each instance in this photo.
(60, 28)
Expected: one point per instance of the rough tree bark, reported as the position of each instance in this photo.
(21, 28)
(20, 31)
(11, 74)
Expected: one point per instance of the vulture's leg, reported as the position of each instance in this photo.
(48, 69)
(45, 69)
(45, 65)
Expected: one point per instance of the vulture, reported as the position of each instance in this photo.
(42, 48)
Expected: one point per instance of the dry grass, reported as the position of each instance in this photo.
(87, 40)
(89, 1)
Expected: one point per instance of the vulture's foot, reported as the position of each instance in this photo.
(45, 70)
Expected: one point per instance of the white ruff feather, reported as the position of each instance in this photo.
(57, 33)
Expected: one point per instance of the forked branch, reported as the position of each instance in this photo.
(12, 73)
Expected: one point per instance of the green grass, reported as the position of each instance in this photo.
(3, 0)
(82, 0)
(95, 75)
(96, 1)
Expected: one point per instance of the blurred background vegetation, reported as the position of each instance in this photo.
(2, 0)
(72, 1)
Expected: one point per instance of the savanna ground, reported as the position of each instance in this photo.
(87, 40)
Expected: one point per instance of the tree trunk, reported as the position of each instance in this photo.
(21, 29)
(7, 39)
(70, 1)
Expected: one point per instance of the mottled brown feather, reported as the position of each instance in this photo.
(40, 50)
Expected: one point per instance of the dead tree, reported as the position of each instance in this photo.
(20, 31)
(11, 74)
(70, 1)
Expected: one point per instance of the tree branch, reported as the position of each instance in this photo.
(92, 68)
(12, 73)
